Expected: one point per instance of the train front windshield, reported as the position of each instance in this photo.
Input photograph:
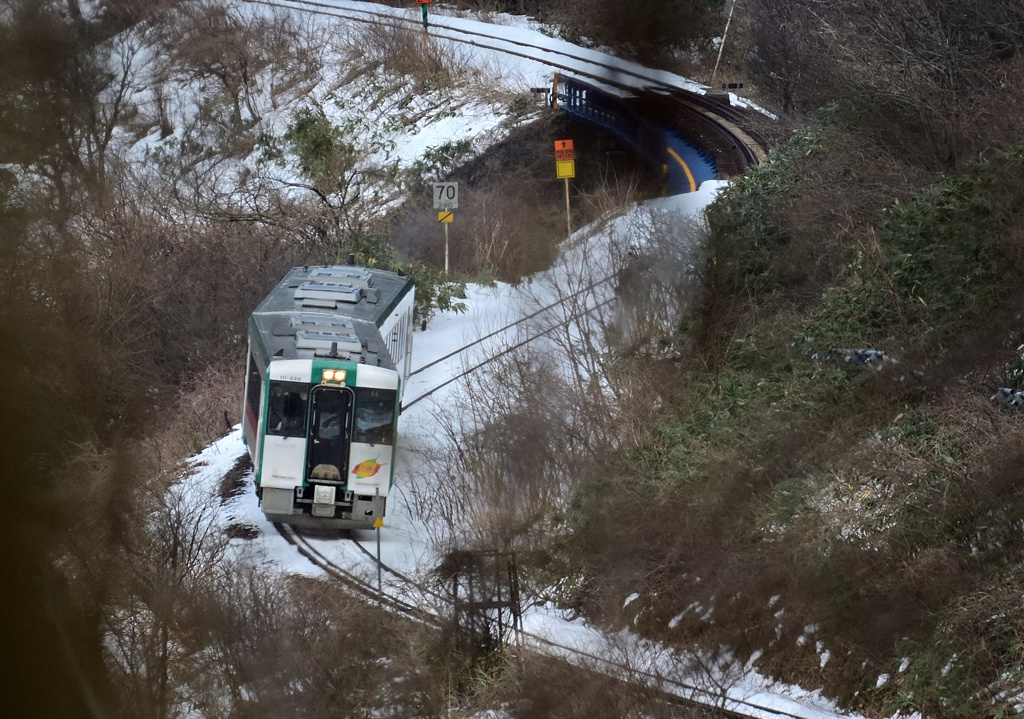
(375, 416)
(286, 415)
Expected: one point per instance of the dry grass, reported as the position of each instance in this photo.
(204, 409)
(401, 52)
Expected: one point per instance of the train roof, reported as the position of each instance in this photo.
(330, 311)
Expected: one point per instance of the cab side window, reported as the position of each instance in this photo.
(253, 386)
(286, 416)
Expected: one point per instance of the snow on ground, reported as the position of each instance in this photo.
(184, 115)
(405, 541)
(525, 48)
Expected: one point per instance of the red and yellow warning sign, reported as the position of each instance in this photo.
(564, 151)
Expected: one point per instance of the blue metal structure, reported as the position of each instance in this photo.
(682, 166)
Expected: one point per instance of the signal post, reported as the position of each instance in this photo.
(565, 168)
(423, 4)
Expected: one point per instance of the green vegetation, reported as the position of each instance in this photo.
(788, 485)
(329, 162)
(323, 153)
(435, 291)
(809, 456)
(442, 159)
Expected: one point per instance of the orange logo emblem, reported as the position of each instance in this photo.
(367, 468)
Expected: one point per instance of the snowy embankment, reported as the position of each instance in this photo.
(367, 109)
(405, 541)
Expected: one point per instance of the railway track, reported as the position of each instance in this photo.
(718, 124)
(388, 587)
(409, 597)
(620, 74)
(537, 334)
(358, 583)
(734, 148)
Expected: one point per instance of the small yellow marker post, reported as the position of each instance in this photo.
(447, 218)
(377, 524)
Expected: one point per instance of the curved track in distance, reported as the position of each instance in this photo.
(715, 119)
(715, 123)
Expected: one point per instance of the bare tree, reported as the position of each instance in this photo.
(790, 55)
(166, 561)
(523, 433)
(242, 50)
(646, 30)
(932, 65)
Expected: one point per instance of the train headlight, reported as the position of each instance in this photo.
(333, 375)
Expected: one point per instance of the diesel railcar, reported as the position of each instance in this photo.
(329, 350)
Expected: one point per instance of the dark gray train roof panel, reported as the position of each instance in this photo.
(333, 311)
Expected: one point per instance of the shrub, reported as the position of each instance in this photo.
(324, 156)
(941, 262)
(434, 289)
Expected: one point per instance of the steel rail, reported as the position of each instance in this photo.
(439, 29)
(499, 355)
(352, 580)
(707, 109)
(365, 588)
(675, 690)
(510, 325)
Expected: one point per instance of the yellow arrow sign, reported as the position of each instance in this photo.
(378, 523)
(445, 216)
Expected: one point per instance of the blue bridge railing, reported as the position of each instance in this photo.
(682, 165)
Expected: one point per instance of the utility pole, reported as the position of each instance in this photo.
(725, 34)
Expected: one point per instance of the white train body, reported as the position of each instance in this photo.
(329, 350)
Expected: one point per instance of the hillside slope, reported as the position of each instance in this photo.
(832, 479)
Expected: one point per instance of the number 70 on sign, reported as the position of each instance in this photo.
(446, 195)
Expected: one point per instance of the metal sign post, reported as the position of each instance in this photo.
(446, 218)
(423, 4)
(446, 197)
(568, 213)
(565, 167)
(377, 524)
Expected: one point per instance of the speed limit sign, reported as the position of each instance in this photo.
(446, 195)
